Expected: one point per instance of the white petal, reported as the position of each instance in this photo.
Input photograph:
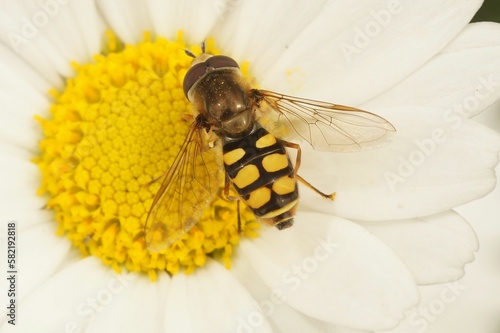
(351, 53)
(128, 19)
(217, 301)
(169, 17)
(49, 35)
(90, 25)
(442, 304)
(466, 91)
(19, 200)
(280, 315)
(30, 218)
(19, 191)
(23, 93)
(136, 307)
(260, 31)
(20, 79)
(72, 298)
(23, 38)
(434, 248)
(17, 124)
(335, 271)
(432, 165)
(40, 253)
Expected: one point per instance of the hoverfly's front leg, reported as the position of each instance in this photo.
(227, 183)
(296, 169)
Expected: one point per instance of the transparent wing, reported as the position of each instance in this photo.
(326, 126)
(187, 189)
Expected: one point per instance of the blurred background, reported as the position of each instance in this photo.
(490, 11)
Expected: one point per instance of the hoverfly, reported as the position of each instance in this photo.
(255, 161)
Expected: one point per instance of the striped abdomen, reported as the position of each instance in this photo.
(262, 174)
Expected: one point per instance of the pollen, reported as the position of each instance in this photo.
(113, 132)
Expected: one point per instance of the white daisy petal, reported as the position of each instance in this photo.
(280, 315)
(128, 19)
(22, 92)
(48, 35)
(435, 248)
(18, 118)
(467, 91)
(432, 165)
(72, 298)
(262, 30)
(90, 25)
(136, 307)
(23, 37)
(359, 50)
(20, 79)
(195, 18)
(326, 267)
(41, 254)
(19, 192)
(215, 298)
(28, 219)
(339, 329)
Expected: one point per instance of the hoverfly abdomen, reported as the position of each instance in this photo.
(262, 174)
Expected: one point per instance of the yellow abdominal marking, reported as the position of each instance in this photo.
(275, 162)
(265, 141)
(246, 176)
(118, 124)
(233, 156)
(284, 185)
(259, 197)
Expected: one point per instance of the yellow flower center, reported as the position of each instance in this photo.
(117, 126)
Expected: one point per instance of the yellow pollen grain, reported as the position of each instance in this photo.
(116, 126)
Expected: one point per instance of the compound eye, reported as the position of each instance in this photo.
(220, 61)
(200, 69)
(193, 75)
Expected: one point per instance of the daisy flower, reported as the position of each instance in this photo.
(103, 79)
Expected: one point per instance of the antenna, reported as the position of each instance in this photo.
(189, 53)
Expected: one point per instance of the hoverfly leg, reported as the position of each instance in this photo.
(239, 216)
(296, 168)
(227, 183)
(306, 183)
(299, 154)
(187, 117)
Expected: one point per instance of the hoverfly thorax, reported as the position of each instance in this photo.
(215, 86)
